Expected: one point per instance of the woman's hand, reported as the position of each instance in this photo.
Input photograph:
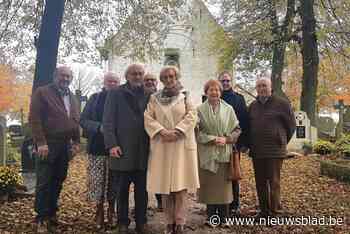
(169, 135)
(220, 141)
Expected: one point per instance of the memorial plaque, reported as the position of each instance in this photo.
(300, 132)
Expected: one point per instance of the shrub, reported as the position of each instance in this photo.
(9, 178)
(13, 154)
(307, 147)
(342, 145)
(323, 147)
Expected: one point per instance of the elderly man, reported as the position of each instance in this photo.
(272, 125)
(150, 83)
(128, 145)
(238, 103)
(54, 119)
(91, 122)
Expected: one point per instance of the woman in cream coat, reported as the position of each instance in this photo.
(170, 119)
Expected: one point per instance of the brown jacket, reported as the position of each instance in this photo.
(272, 125)
(48, 117)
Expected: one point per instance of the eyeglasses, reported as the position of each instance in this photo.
(225, 81)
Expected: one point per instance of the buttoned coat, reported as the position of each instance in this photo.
(172, 166)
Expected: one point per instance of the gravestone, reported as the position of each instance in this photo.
(326, 127)
(304, 132)
(3, 139)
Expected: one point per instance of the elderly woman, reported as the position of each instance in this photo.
(170, 119)
(218, 131)
(97, 170)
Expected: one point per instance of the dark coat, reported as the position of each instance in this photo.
(48, 116)
(239, 105)
(123, 124)
(91, 122)
(272, 125)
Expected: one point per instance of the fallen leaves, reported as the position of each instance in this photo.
(304, 193)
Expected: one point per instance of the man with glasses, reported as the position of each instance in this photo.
(238, 103)
(128, 144)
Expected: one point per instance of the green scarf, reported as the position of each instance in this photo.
(212, 125)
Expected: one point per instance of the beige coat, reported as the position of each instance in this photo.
(172, 166)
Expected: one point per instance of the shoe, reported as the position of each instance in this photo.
(99, 217)
(159, 207)
(225, 225)
(142, 229)
(42, 227)
(179, 229)
(111, 217)
(261, 215)
(170, 229)
(123, 229)
(54, 220)
(235, 212)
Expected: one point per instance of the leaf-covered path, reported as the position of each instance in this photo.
(304, 193)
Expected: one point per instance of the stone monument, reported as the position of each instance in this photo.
(304, 133)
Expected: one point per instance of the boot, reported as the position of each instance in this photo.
(99, 218)
(111, 215)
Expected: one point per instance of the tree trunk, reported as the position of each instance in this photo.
(47, 44)
(277, 69)
(281, 35)
(310, 60)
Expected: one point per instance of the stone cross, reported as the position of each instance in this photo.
(341, 107)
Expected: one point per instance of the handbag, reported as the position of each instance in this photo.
(235, 167)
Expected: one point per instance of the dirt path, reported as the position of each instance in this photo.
(304, 193)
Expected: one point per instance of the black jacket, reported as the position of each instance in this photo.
(123, 124)
(238, 103)
(91, 121)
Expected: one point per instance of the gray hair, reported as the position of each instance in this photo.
(111, 75)
(62, 67)
(132, 66)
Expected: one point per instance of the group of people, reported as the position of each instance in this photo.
(159, 141)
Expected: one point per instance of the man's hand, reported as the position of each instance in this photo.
(43, 151)
(115, 152)
(75, 149)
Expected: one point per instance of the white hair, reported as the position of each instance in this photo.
(111, 75)
(132, 66)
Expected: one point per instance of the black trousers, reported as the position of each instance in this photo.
(51, 173)
(138, 178)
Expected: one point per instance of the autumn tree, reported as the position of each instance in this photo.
(333, 80)
(15, 93)
(85, 29)
(6, 88)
